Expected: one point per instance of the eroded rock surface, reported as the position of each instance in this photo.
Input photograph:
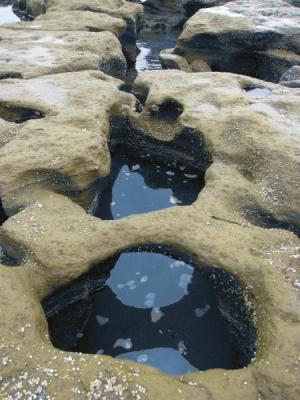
(28, 54)
(130, 12)
(260, 40)
(60, 128)
(252, 131)
(55, 135)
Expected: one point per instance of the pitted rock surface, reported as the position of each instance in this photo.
(67, 149)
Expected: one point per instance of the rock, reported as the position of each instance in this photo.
(163, 15)
(291, 77)
(172, 61)
(252, 131)
(60, 126)
(73, 21)
(130, 12)
(28, 54)
(261, 41)
(199, 66)
(192, 6)
(62, 241)
(29, 9)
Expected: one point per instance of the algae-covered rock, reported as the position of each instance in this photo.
(261, 40)
(29, 54)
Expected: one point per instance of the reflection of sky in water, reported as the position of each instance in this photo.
(174, 362)
(147, 280)
(258, 93)
(150, 45)
(7, 15)
(160, 311)
(137, 187)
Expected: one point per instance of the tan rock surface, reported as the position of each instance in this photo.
(130, 12)
(35, 53)
(67, 149)
(258, 137)
(74, 21)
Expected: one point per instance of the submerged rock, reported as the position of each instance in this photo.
(261, 40)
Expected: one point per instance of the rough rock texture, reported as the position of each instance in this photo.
(253, 146)
(192, 6)
(74, 21)
(255, 135)
(57, 142)
(261, 39)
(169, 60)
(28, 54)
(291, 77)
(130, 12)
(163, 14)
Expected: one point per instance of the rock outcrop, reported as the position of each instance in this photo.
(56, 132)
(60, 128)
(261, 40)
(29, 54)
(129, 12)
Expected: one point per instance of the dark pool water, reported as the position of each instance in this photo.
(161, 311)
(137, 186)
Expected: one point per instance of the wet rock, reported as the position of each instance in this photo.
(163, 15)
(29, 54)
(260, 41)
(130, 12)
(192, 6)
(56, 141)
(291, 77)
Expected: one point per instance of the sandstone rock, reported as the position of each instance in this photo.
(254, 131)
(291, 77)
(131, 13)
(261, 41)
(199, 66)
(74, 21)
(172, 61)
(30, 54)
(60, 133)
(61, 242)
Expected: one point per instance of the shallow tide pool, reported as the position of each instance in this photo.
(161, 311)
(138, 186)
